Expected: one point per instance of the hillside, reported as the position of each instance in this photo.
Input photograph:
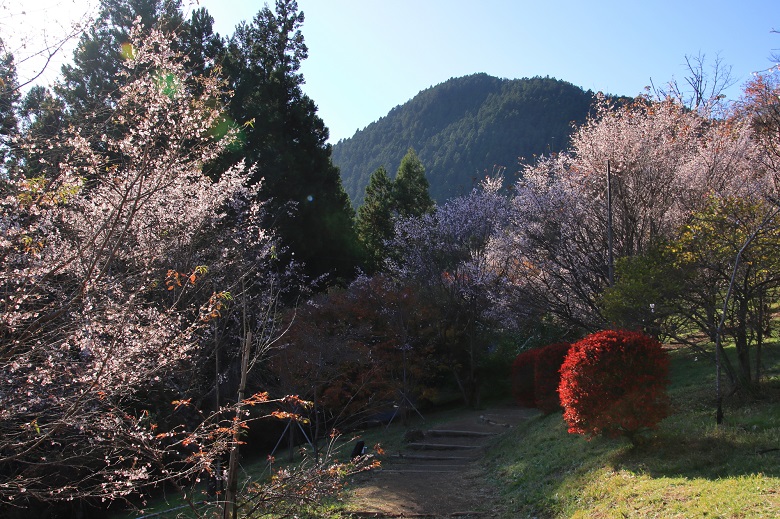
(464, 128)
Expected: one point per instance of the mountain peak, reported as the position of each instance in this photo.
(463, 129)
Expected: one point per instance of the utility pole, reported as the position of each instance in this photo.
(611, 257)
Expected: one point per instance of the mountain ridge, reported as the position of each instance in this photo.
(463, 129)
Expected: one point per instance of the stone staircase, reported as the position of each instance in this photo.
(437, 451)
(436, 473)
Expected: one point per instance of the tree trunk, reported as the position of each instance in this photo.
(762, 316)
(230, 510)
(291, 441)
(473, 377)
(759, 343)
(741, 342)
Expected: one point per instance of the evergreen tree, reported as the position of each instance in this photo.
(282, 138)
(387, 200)
(91, 80)
(374, 224)
(9, 98)
(285, 140)
(203, 47)
(410, 188)
(42, 118)
(90, 86)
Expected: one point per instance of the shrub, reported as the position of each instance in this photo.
(523, 378)
(547, 376)
(614, 383)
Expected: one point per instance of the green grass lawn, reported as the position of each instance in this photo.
(689, 467)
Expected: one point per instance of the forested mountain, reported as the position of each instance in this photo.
(464, 128)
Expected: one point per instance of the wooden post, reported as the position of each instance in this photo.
(611, 257)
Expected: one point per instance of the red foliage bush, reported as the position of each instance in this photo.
(614, 383)
(547, 376)
(523, 369)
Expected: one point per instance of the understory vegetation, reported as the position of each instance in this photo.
(690, 467)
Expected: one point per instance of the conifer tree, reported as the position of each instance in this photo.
(9, 98)
(410, 188)
(91, 80)
(282, 139)
(285, 139)
(388, 200)
(374, 222)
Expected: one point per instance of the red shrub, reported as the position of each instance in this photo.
(547, 376)
(523, 378)
(614, 383)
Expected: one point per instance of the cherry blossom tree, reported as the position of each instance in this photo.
(118, 262)
(560, 273)
(760, 109)
(646, 144)
(39, 47)
(88, 251)
(663, 161)
(450, 253)
(703, 85)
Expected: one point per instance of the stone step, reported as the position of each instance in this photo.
(411, 470)
(391, 515)
(371, 514)
(439, 447)
(426, 463)
(450, 433)
(423, 457)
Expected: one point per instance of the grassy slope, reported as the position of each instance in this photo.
(689, 468)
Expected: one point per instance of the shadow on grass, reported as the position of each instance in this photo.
(715, 456)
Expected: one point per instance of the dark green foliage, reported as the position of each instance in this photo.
(9, 98)
(285, 139)
(90, 85)
(374, 223)
(410, 188)
(495, 366)
(42, 118)
(282, 139)
(405, 196)
(91, 80)
(464, 128)
(202, 46)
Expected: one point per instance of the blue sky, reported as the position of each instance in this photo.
(367, 56)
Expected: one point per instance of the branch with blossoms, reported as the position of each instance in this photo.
(109, 262)
(454, 254)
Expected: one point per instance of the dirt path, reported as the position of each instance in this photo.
(437, 473)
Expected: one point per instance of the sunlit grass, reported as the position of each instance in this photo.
(690, 467)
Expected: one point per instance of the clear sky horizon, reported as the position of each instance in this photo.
(368, 56)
